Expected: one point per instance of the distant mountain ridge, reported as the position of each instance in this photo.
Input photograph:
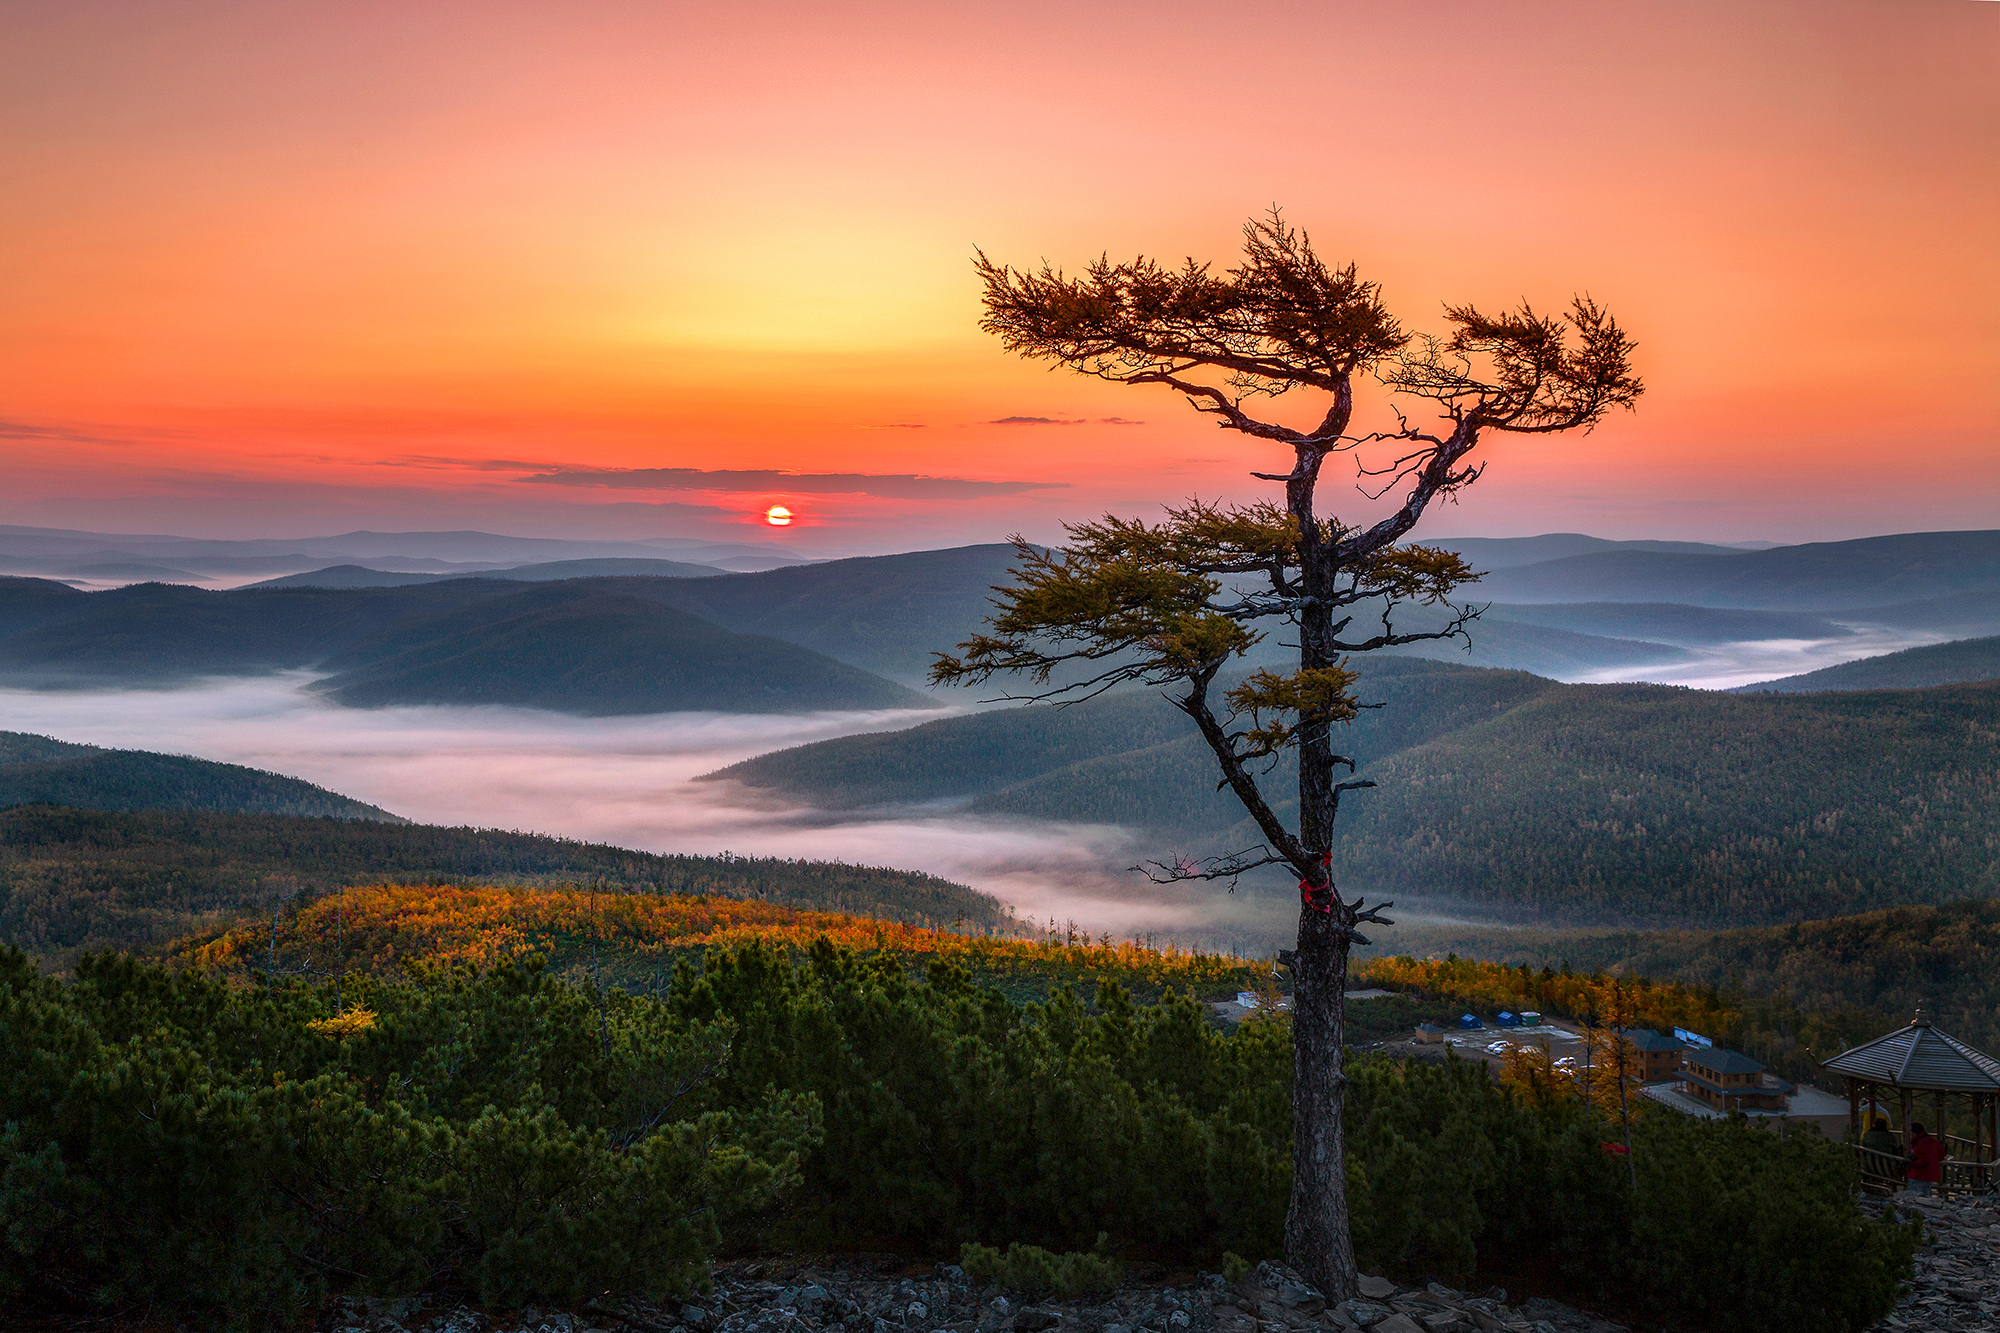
(39, 770)
(1603, 612)
(361, 576)
(1816, 576)
(133, 557)
(591, 646)
(1507, 552)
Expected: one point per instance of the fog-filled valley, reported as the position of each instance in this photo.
(590, 696)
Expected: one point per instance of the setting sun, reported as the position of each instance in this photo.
(777, 516)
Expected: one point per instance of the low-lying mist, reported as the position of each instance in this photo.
(625, 781)
(1725, 666)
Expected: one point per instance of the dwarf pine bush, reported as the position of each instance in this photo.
(1033, 1271)
(220, 1151)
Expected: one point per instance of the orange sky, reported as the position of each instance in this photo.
(282, 269)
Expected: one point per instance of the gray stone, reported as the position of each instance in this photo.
(916, 1313)
(1377, 1288)
(1397, 1323)
(1000, 1306)
(1364, 1314)
(1034, 1321)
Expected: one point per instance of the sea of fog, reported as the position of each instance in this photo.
(626, 781)
(1724, 666)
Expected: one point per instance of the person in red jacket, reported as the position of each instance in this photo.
(1926, 1160)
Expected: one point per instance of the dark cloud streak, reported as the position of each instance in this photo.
(895, 487)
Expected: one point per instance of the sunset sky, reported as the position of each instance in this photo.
(284, 269)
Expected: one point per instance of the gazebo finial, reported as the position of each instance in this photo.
(1917, 1020)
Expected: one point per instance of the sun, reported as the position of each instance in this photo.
(777, 516)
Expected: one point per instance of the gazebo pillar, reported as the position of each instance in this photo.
(1903, 1126)
(1854, 1108)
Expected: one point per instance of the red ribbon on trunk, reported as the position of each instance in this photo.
(1307, 889)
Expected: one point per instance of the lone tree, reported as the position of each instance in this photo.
(1172, 603)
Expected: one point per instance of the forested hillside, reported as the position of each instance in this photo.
(1634, 802)
(1934, 664)
(72, 880)
(598, 653)
(35, 770)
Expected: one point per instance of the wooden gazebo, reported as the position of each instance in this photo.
(1922, 1059)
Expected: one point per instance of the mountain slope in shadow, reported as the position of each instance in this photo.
(600, 654)
(36, 770)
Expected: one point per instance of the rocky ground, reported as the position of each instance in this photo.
(1957, 1284)
(853, 1297)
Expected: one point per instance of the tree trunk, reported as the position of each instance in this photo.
(1317, 1242)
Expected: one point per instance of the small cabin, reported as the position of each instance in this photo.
(1470, 1022)
(1731, 1081)
(1659, 1055)
(1429, 1032)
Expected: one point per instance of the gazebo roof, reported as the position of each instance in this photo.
(1923, 1058)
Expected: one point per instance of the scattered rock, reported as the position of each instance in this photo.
(1957, 1279)
(852, 1296)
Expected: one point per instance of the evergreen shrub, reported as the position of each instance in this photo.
(172, 1141)
(1033, 1271)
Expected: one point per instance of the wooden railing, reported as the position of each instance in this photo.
(1884, 1172)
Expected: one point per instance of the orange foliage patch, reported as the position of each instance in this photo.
(371, 929)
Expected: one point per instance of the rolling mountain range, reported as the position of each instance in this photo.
(35, 770)
(1849, 576)
(135, 557)
(858, 633)
(1603, 802)
(581, 646)
(361, 576)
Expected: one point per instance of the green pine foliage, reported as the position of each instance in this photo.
(1033, 1271)
(237, 1153)
(172, 1142)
